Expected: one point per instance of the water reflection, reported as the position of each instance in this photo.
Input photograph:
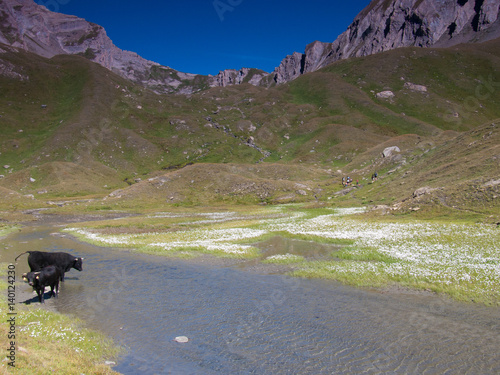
(279, 245)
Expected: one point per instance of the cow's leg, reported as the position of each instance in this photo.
(40, 292)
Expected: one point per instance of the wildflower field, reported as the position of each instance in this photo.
(459, 259)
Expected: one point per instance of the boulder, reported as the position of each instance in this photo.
(389, 151)
(422, 191)
(385, 95)
(413, 87)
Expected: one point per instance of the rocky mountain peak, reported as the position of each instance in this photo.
(383, 25)
(31, 27)
(230, 77)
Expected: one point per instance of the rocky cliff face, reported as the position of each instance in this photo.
(28, 26)
(230, 77)
(384, 25)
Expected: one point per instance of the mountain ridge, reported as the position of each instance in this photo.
(384, 25)
(381, 26)
(32, 27)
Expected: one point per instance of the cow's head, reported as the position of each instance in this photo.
(31, 277)
(78, 264)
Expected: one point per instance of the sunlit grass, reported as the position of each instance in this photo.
(459, 259)
(52, 343)
(6, 229)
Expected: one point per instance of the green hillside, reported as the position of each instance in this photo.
(74, 130)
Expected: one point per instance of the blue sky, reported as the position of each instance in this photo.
(206, 36)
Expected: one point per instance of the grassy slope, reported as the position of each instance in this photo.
(100, 133)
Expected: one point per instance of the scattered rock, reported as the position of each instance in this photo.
(413, 87)
(385, 95)
(345, 191)
(302, 186)
(492, 183)
(389, 151)
(422, 191)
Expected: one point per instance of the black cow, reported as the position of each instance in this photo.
(64, 261)
(47, 276)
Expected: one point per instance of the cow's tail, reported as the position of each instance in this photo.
(26, 252)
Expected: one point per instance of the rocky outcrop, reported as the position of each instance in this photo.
(385, 25)
(414, 87)
(31, 27)
(385, 94)
(290, 68)
(230, 77)
(9, 70)
(389, 151)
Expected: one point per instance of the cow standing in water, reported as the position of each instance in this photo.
(64, 261)
(47, 276)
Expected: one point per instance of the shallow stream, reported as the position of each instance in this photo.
(242, 322)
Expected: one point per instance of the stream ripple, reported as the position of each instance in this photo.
(241, 322)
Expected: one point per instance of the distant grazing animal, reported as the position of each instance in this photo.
(47, 276)
(64, 261)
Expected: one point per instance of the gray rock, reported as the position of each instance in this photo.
(413, 87)
(385, 95)
(383, 25)
(389, 151)
(492, 183)
(422, 191)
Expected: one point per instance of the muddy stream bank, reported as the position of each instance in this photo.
(242, 321)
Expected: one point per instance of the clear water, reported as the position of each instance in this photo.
(240, 322)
